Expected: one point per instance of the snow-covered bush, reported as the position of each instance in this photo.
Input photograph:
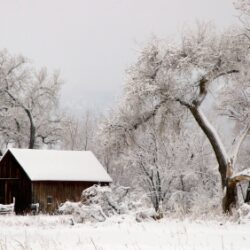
(180, 201)
(204, 205)
(82, 213)
(242, 214)
(100, 202)
(110, 199)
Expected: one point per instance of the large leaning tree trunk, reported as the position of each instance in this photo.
(226, 162)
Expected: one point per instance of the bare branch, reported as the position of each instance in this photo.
(237, 143)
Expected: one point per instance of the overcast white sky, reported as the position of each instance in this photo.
(93, 41)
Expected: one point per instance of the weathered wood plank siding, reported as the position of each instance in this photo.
(50, 194)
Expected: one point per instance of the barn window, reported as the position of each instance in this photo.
(49, 199)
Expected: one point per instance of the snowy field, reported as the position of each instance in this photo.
(55, 232)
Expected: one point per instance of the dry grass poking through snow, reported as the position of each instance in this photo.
(55, 232)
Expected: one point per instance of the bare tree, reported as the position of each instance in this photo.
(78, 133)
(149, 157)
(30, 102)
(159, 159)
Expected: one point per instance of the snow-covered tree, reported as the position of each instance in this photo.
(78, 133)
(178, 76)
(29, 103)
(164, 163)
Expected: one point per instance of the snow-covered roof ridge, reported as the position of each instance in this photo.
(59, 165)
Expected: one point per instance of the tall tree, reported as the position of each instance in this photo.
(29, 102)
(177, 76)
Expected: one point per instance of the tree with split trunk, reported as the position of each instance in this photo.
(177, 76)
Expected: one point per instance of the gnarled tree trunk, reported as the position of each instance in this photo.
(226, 164)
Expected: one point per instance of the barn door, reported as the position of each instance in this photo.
(10, 191)
(11, 188)
(23, 197)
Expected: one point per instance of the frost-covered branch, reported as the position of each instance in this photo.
(237, 143)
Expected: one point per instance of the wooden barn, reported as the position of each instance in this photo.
(47, 177)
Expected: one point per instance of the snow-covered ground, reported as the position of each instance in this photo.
(56, 232)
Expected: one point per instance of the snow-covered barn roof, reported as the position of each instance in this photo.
(57, 165)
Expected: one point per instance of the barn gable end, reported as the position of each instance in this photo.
(14, 183)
